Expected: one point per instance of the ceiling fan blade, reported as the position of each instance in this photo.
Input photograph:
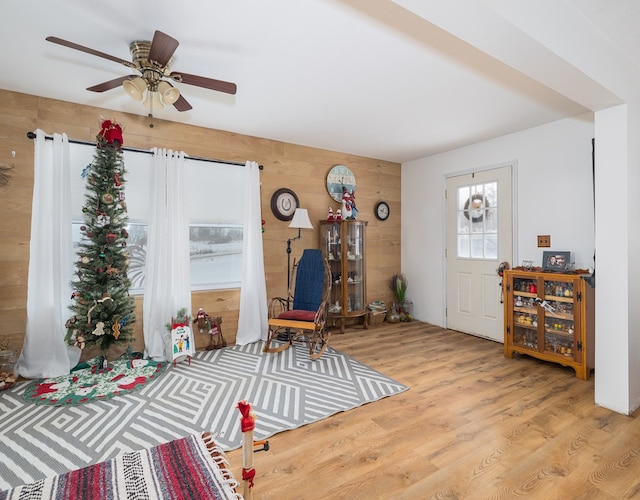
(111, 84)
(162, 48)
(182, 104)
(93, 52)
(207, 83)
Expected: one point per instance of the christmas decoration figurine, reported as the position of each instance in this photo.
(102, 311)
(330, 216)
(111, 134)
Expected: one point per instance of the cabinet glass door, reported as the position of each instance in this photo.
(559, 319)
(332, 249)
(355, 272)
(525, 312)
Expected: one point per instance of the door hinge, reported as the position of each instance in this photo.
(508, 287)
(508, 330)
(446, 193)
(446, 253)
(579, 346)
(579, 297)
(446, 312)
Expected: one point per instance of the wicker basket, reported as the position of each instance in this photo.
(377, 317)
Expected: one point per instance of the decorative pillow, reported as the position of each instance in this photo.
(298, 315)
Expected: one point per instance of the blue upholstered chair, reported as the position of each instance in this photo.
(302, 316)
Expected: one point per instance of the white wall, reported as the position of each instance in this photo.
(553, 195)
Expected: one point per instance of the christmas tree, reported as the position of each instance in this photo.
(103, 310)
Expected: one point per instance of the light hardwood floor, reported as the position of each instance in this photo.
(472, 425)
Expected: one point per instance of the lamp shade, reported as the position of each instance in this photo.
(135, 87)
(153, 101)
(168, 92)
(301, 219)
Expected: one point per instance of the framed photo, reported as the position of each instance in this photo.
(555, 261)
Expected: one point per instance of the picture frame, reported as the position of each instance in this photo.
(556, 261)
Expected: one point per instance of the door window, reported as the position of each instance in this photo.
(478, 221)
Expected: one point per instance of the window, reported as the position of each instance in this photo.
(216, 209)
(478, 221)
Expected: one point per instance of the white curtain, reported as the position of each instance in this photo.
(252, 320)
(45, 353)
(167, 287)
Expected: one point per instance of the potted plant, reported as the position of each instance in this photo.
(404, 306)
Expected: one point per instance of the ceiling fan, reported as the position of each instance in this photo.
(152, 60)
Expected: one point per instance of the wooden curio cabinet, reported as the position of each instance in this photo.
(550, 316)
(343, 245)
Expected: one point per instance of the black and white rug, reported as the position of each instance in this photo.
(286, 390)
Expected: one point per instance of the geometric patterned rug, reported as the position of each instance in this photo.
(286, 390)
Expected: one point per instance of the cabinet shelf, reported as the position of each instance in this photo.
(560, 332)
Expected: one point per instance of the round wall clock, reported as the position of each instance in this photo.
(337, 178)
(284, 203)
(382, 210)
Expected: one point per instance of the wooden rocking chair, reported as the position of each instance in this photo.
(307, 319)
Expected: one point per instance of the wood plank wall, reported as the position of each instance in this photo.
(302, 169)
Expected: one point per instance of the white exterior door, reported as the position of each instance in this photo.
(479, 238)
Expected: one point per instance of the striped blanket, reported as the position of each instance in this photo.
(188, 468)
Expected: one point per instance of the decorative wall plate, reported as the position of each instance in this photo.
(284, 203)
(337, 178)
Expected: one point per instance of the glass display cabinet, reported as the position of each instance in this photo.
(550, 316)
(343, 245)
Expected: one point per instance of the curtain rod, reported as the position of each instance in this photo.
(32, 135)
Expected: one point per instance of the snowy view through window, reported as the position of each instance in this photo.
(215, 250)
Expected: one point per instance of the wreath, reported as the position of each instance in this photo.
(476, 207)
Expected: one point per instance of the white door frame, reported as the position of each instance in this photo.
(514, 219)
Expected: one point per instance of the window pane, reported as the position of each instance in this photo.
(477, 221)
(477, 246)
(463, 223)
(490, 246)
(463, 247)
(216, 256)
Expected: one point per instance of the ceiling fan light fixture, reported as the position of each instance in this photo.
(168, 93)
(135, 87)
(153, 101)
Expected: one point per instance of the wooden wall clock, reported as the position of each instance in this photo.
(284, 203)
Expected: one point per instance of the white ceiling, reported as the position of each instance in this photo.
(365, 77)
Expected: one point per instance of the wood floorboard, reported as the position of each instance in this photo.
(473, 425)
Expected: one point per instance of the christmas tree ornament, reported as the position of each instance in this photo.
(85, 171)
(106, 301)
(80, 341)
(99, 329)
(116, 330)
(107, 198)
(103, 220)
(110, 238)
